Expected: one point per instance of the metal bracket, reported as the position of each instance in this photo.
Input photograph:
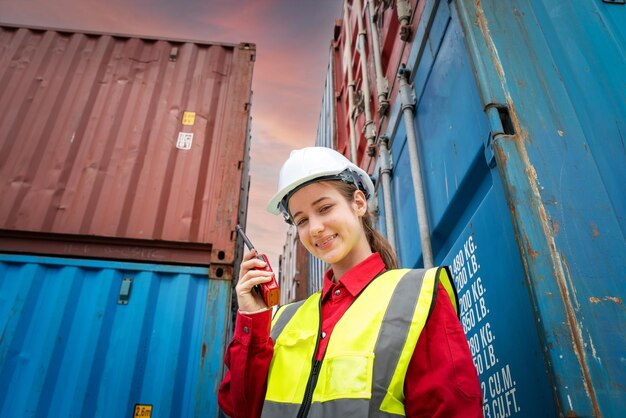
(125, 289)
(494, 121)
(408, 97)
(386, 162)
(404, 16)
(500, 124)
(174, 53)
(359, 103)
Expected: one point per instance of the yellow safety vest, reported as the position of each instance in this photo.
(363, 370)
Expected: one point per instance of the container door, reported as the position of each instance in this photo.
(109, 339)
(470, 221)
(559, 67)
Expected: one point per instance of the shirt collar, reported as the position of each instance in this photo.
(357, 277)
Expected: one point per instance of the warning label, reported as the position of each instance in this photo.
(143, 411)
(184, 140)
(189, 118)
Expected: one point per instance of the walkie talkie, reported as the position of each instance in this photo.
(270, 291)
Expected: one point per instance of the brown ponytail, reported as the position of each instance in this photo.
(378, 243)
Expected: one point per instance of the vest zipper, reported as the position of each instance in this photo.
(315, 370)
(303, 412)
(310, 387)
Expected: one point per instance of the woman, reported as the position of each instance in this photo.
(376, 341)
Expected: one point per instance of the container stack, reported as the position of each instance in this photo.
(494, 131)
(117, 243)
(293, 269)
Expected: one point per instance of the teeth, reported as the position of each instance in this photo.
(326, 240)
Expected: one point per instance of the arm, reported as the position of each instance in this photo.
(249, 354)
(248, 358)
(441, 380)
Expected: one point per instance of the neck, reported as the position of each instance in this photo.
(349, 261)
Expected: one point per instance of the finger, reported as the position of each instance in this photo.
(249, 255)
(255, 274)
(253, 278)
(251, 284)
(251, 264)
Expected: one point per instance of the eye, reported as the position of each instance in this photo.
(325, 208)
(301, 221)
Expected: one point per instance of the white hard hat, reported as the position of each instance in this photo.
(312, 164)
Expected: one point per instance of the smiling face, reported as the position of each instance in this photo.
(329, 226)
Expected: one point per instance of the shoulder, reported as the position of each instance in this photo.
(292, 307)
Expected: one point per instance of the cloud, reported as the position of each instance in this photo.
(292, 38)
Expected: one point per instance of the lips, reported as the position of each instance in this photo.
(326, 241)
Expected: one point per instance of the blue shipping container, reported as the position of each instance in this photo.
(326, 131)
(520, 116)
(97, 338)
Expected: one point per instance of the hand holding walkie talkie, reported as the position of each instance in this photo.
(270, 291)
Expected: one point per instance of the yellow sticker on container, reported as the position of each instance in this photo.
(143, 411)
(189, 118)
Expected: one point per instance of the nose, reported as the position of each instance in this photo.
(316, 226)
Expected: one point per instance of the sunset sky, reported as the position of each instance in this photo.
(292, 38)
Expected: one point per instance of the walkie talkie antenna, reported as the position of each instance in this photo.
(245, 238)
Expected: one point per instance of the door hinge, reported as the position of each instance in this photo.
(500, 124)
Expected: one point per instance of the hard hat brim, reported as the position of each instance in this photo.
(272, 206)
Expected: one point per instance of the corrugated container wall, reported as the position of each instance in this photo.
(327, 135)
(117, 243)
(327, 127)
(75, 345)
(381, 80)
(287, 268)
(294, 269)
(122, 138)
(508, 118)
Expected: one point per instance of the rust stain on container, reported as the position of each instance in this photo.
(203, 356)
(614, 299)
(89, 136)
(559, 264)
(481, 22)
(532, 253)
(594, 230)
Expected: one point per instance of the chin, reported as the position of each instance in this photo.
(331, 258)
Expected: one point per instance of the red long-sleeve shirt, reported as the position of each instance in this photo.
(441, 380)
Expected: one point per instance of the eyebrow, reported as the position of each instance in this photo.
(312, 204)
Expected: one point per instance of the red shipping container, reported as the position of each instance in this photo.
(119, 147)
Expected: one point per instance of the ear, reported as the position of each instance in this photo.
(359, 203)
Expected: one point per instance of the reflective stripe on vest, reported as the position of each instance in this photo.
(365, 363)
